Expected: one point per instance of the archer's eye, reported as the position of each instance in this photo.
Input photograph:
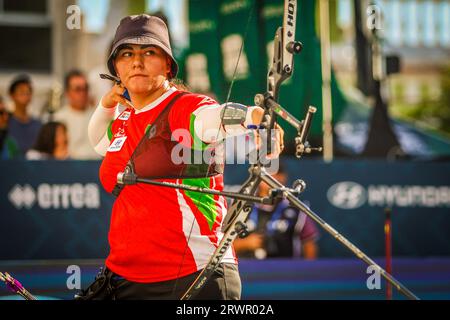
(150, 52)
(126, 54)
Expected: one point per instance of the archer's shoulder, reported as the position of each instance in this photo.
(197, 99)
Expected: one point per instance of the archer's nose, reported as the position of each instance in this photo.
(138, 61)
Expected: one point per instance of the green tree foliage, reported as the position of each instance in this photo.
(435, 112)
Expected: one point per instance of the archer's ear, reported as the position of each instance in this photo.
(169, 66)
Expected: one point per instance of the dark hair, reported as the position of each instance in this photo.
(45, 141)
(18, 80)
(2, 108)
(72, 74)
(179, 84)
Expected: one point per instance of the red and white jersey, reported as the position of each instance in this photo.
(155, 230)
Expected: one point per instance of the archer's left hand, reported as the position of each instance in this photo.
(278, 144)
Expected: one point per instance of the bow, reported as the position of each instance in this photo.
(234, 224)
(281, 69)
(15, 286)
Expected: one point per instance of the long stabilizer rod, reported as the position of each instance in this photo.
(273, 183)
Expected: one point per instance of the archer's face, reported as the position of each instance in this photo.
(142, 69)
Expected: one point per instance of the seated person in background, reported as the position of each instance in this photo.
(51, 143)
(21, 126)
(8, 147)
(76, 114)
(278, 230)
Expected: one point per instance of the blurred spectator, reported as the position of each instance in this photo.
(76, 116)
(21, 126)
(278, 230)
(51, 143)
(8, 146)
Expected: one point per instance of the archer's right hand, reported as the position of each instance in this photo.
(115, 96)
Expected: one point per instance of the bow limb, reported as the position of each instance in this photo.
(15, 286)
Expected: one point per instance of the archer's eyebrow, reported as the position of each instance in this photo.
(148, 46)
(126, 47)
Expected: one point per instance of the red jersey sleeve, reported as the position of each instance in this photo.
(182, 115)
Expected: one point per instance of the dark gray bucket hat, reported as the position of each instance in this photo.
(142, 29)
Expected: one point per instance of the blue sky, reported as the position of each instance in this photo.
(95, 13)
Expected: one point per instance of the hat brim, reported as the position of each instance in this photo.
(143, 40)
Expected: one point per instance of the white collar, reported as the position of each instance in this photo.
(150, 106)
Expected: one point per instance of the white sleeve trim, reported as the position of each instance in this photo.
(98, 126)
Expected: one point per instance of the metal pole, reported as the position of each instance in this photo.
(388, 249)
(234, 195)
(325, 54)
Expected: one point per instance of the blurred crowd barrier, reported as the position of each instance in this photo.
(58, 210)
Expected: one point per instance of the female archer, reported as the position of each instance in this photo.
(161, 238)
